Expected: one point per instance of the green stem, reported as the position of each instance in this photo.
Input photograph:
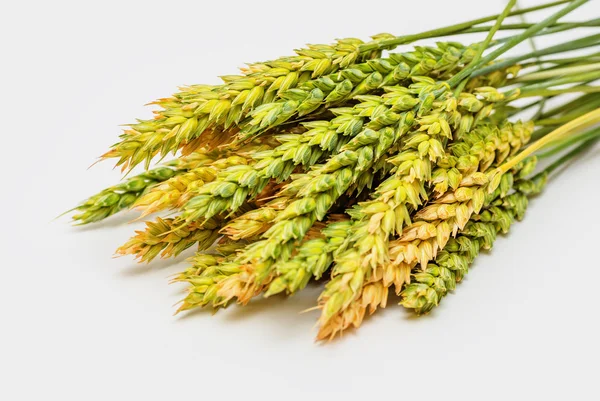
(554, 72)
(567, 142)
(571, 154)
(508, 27)
(434, 33)
(570, 106)
(554, 92)
(589, 76)
(484, 45)
(581, 43)
(581, 110)
(585, 59)
(575, 108)
(574, 104)
(534, 48)
(515, 40)
(555, 28)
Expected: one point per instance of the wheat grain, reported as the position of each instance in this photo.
(357, 80)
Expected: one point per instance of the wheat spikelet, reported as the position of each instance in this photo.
(373, 295)
(167, 238)
(250, 224)
(204, 275)
(123, 195)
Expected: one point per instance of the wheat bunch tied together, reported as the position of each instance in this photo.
(355, 163)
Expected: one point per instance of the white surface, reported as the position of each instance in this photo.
(78, 325)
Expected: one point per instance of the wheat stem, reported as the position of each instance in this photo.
(587, 120)
(516, 40)
(448, 30)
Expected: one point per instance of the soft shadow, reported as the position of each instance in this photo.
(194, 313)
(277, 305)
(118, 219)
(590, 154)
(406, 314)
(284, 313)
(411, 316)
(136, 269)
(381, 313)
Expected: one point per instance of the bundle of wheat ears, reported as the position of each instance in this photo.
(373, 168)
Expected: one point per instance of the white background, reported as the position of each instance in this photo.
(76, 324)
